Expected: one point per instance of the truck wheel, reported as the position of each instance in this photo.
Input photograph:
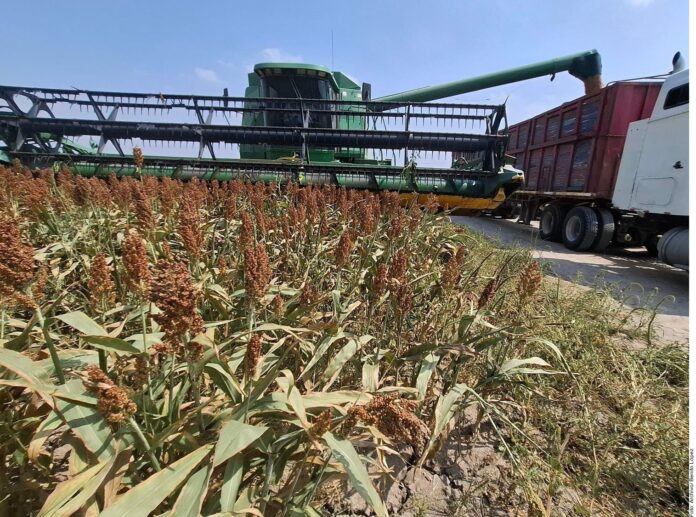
(551, 222)
(606, 229)
(580, 228)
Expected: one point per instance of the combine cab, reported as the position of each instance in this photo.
(296, 122)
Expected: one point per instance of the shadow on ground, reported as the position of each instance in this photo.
(636, 278)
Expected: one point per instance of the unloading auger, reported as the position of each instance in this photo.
(296, 122)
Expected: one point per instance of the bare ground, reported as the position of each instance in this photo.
(639, 279)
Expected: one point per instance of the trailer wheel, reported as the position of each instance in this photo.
(606, 229)
(551, 222)
(580, 228)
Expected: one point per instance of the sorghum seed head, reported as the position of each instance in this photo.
(222, 265)
(252, 356)
(344, 249)
(101, 284)
(172, 291)
(257, 272)
(278, 306)
(395, 417)
(143, 208)
(308, 295)
(246, 232)
(397, 222)
(135, 261)
(321, 424)
(190, 229)
(113, 402)
(488, 293)
(16, 262)
(530, 280)
(452, 270)
(399, 265)
(379, 281)
(138, 157)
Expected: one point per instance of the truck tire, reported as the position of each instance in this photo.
(606, 229)
(580, 228)
(551, 222)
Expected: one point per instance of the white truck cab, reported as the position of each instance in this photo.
(653, 177)
(654, 171)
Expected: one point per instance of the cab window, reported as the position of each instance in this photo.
(677, 96)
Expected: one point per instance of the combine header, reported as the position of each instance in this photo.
(296, 122)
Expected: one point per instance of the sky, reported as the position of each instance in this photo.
(203, 47)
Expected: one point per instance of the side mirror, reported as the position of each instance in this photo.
(366, 91)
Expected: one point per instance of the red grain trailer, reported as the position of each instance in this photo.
(574, 150)
(571, 154)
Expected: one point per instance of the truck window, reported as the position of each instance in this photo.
(677, 96)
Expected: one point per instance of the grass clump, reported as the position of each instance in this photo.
(617, 434)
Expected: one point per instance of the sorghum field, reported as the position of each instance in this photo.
(188, 349)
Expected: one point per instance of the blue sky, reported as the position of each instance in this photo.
(201, 47)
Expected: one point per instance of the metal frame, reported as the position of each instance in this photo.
(39, 131)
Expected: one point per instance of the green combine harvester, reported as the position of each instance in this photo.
(296, 122)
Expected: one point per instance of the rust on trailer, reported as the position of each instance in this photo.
(576, 148)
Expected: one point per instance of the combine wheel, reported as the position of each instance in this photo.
(551, 222)
(606, 229)
(580, 229)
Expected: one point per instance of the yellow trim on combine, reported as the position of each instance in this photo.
(451, 202)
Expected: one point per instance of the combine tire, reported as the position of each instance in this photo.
(551, 222)
(580, 228)
(606, 229)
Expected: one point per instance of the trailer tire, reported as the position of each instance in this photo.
(551, 222)
(606, 229)
(580, 228)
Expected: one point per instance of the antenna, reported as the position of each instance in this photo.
(332, 60)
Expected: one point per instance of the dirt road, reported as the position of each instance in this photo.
(634, 271)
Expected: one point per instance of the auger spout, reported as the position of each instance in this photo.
(586, 66)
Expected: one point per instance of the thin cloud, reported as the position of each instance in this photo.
(207, 75)
(227, 64)
(639, 3)
(280, 55)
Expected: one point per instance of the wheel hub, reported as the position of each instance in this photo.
(573, 227)
(547, 223)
